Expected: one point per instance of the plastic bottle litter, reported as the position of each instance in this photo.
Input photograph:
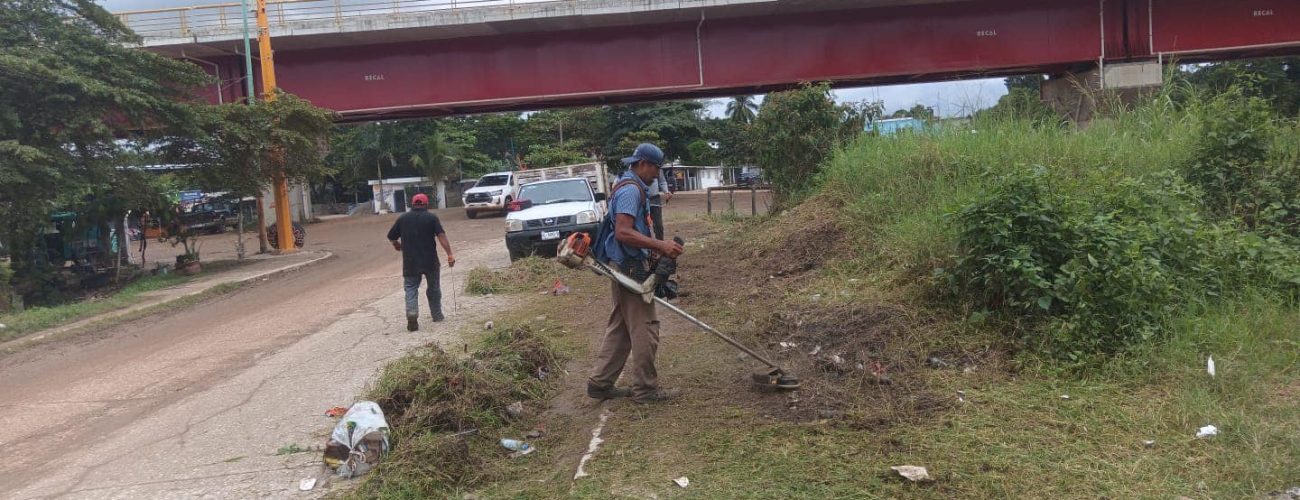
(1207, 431)
(1209, 366)
(682, 481)
(519, 448)
(306, 484)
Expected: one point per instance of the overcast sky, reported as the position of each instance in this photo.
(947, 98)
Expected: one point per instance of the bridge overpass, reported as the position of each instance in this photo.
(375, 59)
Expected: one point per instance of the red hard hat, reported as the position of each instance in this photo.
(420, 199)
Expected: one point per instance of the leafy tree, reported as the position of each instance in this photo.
(1276, 80)
(702, 153)
(553, 156)
(794, 132)
(677, 124)
(244, 147)
(71, 85)
(742, 108)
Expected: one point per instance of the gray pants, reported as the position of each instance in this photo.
(657, 219)
(433, 293)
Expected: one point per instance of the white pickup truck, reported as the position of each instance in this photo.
(552, 204)
(492, 193)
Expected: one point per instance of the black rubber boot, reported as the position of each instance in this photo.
(412, 324)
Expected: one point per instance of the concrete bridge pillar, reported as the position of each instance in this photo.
(1080, 95)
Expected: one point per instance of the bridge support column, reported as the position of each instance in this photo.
(1080, 95)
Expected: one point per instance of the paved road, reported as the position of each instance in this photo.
(197, 402)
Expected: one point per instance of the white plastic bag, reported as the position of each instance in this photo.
(363, 434)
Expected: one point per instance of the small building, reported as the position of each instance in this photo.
(694, 178)
(893, 126)
(394, 195)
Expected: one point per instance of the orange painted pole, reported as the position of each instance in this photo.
(279, 185)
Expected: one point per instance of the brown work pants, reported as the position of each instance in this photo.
(633, 329)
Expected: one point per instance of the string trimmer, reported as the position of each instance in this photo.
(575, 253)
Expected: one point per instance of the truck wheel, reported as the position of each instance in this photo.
(505, 208)
(517, 254)
(471, 214)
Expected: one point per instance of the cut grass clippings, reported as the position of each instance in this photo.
(529, 274)
(447, 411)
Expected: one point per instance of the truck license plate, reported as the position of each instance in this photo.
(550, 235)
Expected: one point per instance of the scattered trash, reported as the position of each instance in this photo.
(2, 326)
(336, 412)
(1209, 366)
(836, 359)
(542, 373)
(961, 396)
(682, 481)
(859, 366)
(1065, 396)
(560, 288)
(359, 440)
(1290, 494)
(968, 370)
(815, 350)
(537, 432)
(816, 297)
(854, 280)
(1149, 444)
(540, 317)
(516, 409)
(306, 483)
(1207, 431)
(912, 473)
(935, 362)
(519, 448)
(488, 325)
(787, 345)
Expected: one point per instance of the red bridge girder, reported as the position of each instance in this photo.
(711, 57)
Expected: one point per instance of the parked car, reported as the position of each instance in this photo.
(492, 193)
(212, 216)
(550, 210)
(749, 179)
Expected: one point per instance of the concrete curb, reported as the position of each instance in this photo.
(36, 337)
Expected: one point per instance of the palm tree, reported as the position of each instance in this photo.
(741, 108)
(439, 158)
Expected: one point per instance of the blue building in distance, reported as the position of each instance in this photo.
(892, 126)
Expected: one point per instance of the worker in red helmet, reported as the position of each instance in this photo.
(413, 235)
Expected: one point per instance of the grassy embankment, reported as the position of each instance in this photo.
(965, 281)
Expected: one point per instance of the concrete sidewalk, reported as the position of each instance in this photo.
(257, 267)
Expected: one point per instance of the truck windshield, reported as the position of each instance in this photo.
(492, 180)
(556, 192)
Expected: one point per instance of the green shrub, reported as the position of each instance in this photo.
(1097, 271)
(1248, 165)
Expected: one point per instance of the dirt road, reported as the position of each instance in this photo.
(198, 402)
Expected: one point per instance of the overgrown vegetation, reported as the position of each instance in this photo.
(1083, 243)
(527, 274)
(431, 396)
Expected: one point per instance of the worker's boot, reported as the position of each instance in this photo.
(611, 392)
(412, 323)
(658, 396)
(438, 317)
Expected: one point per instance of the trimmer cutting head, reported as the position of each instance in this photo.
(775, 380)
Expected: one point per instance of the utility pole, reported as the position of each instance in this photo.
(279, 185)
(251, 94)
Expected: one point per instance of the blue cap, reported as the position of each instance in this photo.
(648, 152)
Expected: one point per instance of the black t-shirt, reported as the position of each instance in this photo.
(418, 230)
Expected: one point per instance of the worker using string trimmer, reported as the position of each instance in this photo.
(625, 243)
